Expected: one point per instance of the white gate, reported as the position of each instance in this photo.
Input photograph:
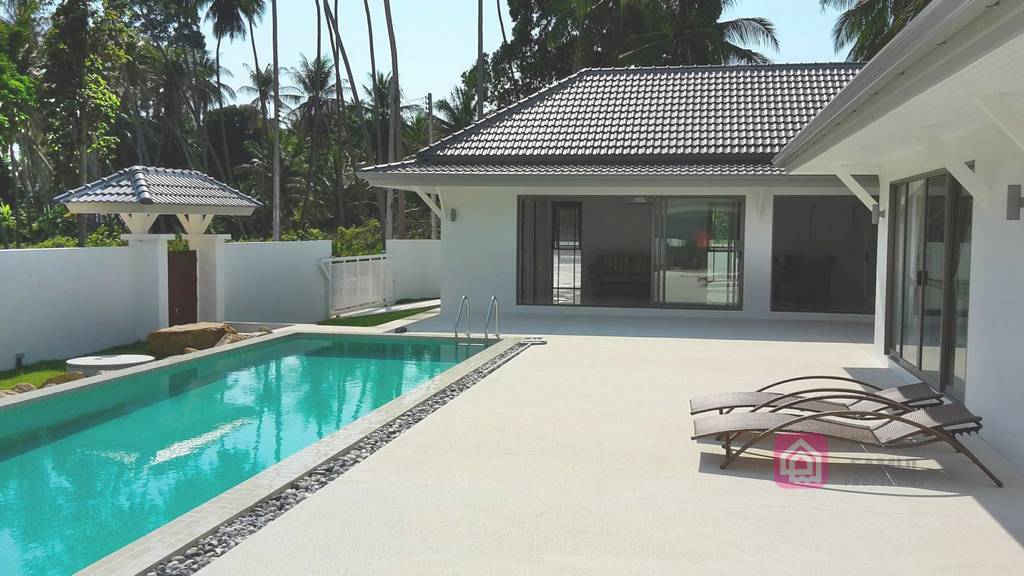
(359, 282)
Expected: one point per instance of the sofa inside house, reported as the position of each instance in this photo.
(621, 275)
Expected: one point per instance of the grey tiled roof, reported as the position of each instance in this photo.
(699, 119)
(601, 169)
(159, 186)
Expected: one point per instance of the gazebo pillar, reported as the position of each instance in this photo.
(210, 274)
(149, 263)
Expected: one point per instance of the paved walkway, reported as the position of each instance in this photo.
(575, 458)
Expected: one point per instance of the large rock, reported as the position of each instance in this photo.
(23, 387)
(232, 338)
(174, 340)
(63, 379)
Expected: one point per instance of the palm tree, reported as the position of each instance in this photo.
(277, 129)
(457, 110)
(255, 12)
(480, 59)
(228, 18)
(501, 22)
(689, 32)
(369, 35)
(260, 88)
(395, 121)
(868, 25)
(313, 80)
(332, 18)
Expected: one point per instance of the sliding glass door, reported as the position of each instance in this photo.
(698, 252)
(567, 252)
(930, 279)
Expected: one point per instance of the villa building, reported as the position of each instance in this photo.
(888, 192)
(649, 188)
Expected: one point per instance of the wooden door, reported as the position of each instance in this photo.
(182, 290)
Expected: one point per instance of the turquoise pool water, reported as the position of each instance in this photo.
(85, 473)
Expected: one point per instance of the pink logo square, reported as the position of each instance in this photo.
(801, 460)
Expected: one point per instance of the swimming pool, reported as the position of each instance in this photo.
(87, 472)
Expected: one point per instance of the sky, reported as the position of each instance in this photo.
(437, 38)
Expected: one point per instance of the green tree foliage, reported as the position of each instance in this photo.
(552, 39)
(358, 240)
(88, 87)
(83, 50)
(865, 26)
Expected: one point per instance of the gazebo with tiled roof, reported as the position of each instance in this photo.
(140, 193)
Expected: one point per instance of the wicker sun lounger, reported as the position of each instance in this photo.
(916, 428)
(909, 396)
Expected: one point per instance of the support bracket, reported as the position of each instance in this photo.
(843, 173)
(195, 223)
(138, 222)
(1001, 112)
(937, 148)
(430, 202)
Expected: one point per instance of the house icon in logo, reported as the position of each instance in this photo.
(800, 460)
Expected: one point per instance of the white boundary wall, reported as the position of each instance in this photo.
(61, 302)
(416, 266)
(275, 282)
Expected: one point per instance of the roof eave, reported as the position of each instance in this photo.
(856, 105)
(428, 182)
(137, 208)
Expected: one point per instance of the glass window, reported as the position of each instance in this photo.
(823, 255)
(930, 275)
(567, 253)
(698, 260)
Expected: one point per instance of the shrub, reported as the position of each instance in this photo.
(105, 235)
(57, 242)
(358, 240)
(303, 235)
(179, 244)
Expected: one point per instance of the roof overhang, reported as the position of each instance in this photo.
(137, 208)
(430, 182)
(922, 64)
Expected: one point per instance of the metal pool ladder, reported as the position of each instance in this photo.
(492, 308)
(463, 305)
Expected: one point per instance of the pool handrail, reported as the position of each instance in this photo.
(463, 305)
(492, 307)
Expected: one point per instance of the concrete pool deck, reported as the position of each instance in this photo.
(575, 458)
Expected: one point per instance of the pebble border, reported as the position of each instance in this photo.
(231, 533)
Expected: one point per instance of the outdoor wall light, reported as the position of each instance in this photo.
(1014, 202)
(452, 214)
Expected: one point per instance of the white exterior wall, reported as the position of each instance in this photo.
(479, 249)
(62, 302)
(416, 268)
(275, 282)
(995, 330)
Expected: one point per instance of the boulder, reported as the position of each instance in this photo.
(190, 350)
(232, 338)
(174, 340)
(62, 379)
(23, 387)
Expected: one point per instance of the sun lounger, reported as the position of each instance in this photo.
(915, 428)
(873, 399)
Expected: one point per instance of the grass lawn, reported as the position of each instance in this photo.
(38, 372)
(376, 319)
